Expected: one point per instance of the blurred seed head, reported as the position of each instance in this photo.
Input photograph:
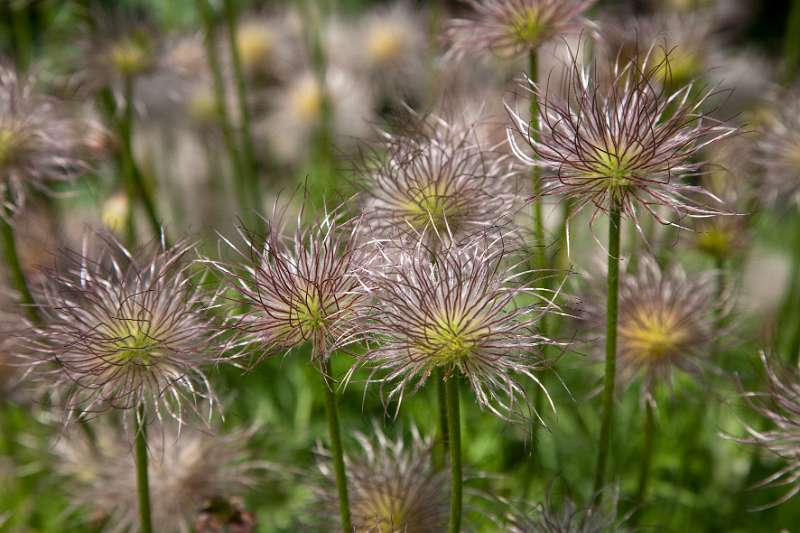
(456, 309)
(392, 486)
(38, 145)
(569, 517)
(191, 474)
(779, 151)
(666, 321)
(123, 330)
(627, 141)
(305, 287)
(779, 406)
(508, 28)
(432, 181)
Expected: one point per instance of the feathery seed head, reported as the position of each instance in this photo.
(569, 517)
(626, 142)
(434, 182)
(454, 309)
(303, 288)
(127, 329)
(666, 321)
(780, 406)
(392, 484)
(508, 28)
(188, 469)
(38, 144)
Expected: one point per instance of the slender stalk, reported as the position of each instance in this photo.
(454, 429)
(791, 45)
(647, 453)
(336, 445)
(790, 341)
(220, 97)
(16, 274)
(444, 443)
(536, 182)
(245, 128)
(611, 347)
(23, 41)
(142, 481)
(131, 169)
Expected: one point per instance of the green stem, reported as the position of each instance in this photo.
(16, 274)
(220, 97)
(647, 454)
(454, 430)
(142, 482)
(245, 128)
(790, 341)
(132, 171)
(443, 429)
(611, 347)
(23, 42)
(536, 182)
(791, 45)
(336, 444)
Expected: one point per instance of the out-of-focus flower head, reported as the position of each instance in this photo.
(779, 151)
(191, 473)
(38, 144)
(388, 44)
(298, 109)
(569, 517)
(125, 330)
(686, 39)
(269, 46)
(305, 287)
(508, 28)
(778, 405)
(627, 142)
(432, 181)
(456, 309)
(666, 321)
(392, 485)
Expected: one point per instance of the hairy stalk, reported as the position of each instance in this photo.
(249, 164)
(647, 455)
(131, 169)
(454, 430)
(791, 45)
(16, 274)
(611, 347)
(440, 458)
(142, 481)
(336, 444)
(225, 124)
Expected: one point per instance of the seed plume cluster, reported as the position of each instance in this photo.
(399, 266)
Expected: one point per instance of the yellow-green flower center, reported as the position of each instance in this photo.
(379, 512)
(7, 143)
(385, 43)
(652, 334)
(526, 27)
(431, 205)
(715, 240)
(131, 57)
(616, 166)
(450, 340)
(134, 344)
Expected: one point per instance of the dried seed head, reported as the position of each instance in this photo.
(37, 142)
(666, 321)
(509, 28)
(189, 470)
(392, 486)
(302, 288)
(628, 142)
(456, 310)
(125, 330)
(780, 406)
(779, 152)
(568, 517)
(434, 182)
